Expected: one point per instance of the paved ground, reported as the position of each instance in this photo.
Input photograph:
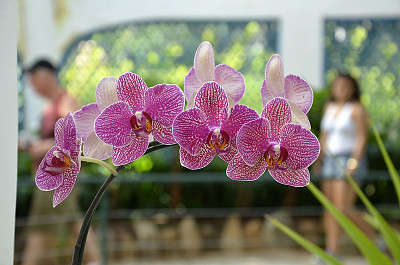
(269, 257)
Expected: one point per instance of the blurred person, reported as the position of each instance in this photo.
(343, 138)
(46, 222)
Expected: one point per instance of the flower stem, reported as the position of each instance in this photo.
(81, 240)
(101, 163)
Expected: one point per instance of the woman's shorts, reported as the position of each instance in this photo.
(334, 167)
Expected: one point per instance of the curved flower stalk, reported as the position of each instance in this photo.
(204, 70)
(297, 92)
(272, 142)
(209, 128)
(106, 94)
(140, 114)
(60, 166)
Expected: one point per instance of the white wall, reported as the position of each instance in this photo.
(8, 128)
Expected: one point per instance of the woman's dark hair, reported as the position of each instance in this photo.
(353, 81)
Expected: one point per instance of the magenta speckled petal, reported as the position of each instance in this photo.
(204, 157)
(252, 140)
(192, 85)
(295, 178)
(128, 153)
(239, 115)
(212, 100)
(239, 170)
(301, 144)
(69, 178)
(204, 62)
(164, 103)
(274, 79)
(106, 92)
(163, 134)
(232, 152)
(278, 113)
(84, 120)
(65, 133)
(44, 180)
(131, 89)
(299, 92)
(96, 148)
(113, 125)
(231, 81)
(190, 130)
(298, 116)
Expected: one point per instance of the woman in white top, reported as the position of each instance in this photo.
(343, 138)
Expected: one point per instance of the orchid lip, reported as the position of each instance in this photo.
(58, 163)
(218, 140)
(141, 123)
(275, 156)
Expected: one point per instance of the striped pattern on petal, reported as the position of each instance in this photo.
(212, 100)
(278, 113)
(295, 178)
(298, 116)
(231, 81)
(96, 148)
(84, 120)
(69, 178)
(299, 92)
(163, 134)
(238, 169)
(128, 153)
(131, 89)
(302, 145)
(106, 92)
(204, 62)
(202, 159)
(65, 133)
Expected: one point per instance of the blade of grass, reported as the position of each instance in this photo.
(364, 244)
(392, 170)
(305, 243)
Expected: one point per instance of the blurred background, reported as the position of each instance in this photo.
(158, 210)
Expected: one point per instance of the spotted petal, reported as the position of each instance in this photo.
(273, 85)
(295, 178)
(231, 81)
(190, 130)
(278, 113)
(130, 152)
(163, 134)
(106, 92)
(84, 120)
(204, 62)
(202, 159)
(252, 140)
(112, 126)
(238, 169)
(164, 103)
(302, 146)
(192, 85)
(212, 100)
(299, 92)
(96, 148)
(69, 178)
(131, 89)
(65, 133)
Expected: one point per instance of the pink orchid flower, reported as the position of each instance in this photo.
(140, 114)
(60, 166)
(297, 92)
(209, 128)
(272, 142)
(204, 70)
(106, 94)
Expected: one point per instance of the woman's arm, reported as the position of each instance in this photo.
(359, 116)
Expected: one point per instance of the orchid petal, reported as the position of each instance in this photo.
(204, 62)
(190, 102)
(299, 117)
(69, 178)
(231, 81)
(164, 103)
(302, 146)
(278, 113)
(192, 85)
(252, 140)
(190, 130)
(163, 134)
(45, 181)
(65, 133)
(295, 178)
(84, 120)
(202, 159)
(238, 169)
(212, 100)
(274, 79)
(96, 148)
(232, 152)
(113, 126)
(299, 92)
(106, 92)
(131, 89)
(128, 153)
